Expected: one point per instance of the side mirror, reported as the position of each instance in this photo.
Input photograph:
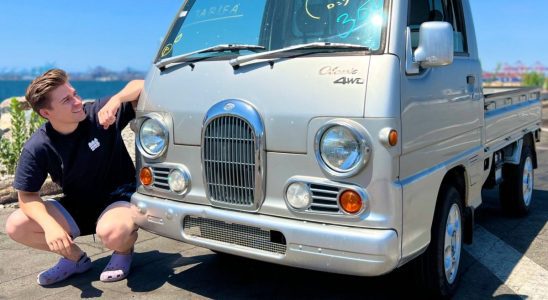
(435, 46)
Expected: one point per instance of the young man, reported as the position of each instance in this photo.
(81, 148)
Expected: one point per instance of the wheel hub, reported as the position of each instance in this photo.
(527, 186)
(453, 243)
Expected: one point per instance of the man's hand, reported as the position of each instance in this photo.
(58, 240)
(107, 114)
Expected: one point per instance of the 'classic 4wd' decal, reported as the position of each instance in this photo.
(349, 73)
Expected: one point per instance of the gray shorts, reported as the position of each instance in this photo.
(73, 224)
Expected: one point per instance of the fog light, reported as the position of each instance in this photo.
(146, 176)
(178, 181)
(298, 195)
(351, 202)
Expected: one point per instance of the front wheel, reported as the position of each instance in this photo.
(516, 189)
(440, 264)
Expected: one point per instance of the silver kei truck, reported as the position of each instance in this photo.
(348, 136)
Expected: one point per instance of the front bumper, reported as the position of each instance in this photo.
(315, 246)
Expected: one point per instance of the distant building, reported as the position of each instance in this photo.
(511, 75)
(95, 74)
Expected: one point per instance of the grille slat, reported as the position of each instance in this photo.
(324, 191)
(224, 157)
(324, 187)
(234, 234)
(315, 204)
(217, 152)
(160, 173)
(324, 198)
(238, 157)
(332, 202)
(325, 209)
(229, 163)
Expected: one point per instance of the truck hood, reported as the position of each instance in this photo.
(287, 95)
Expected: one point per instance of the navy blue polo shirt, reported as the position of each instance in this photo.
(90, 164)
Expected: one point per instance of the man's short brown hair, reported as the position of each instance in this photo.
(41, 86)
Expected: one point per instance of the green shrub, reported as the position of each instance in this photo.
(21, 130)
(533, 79)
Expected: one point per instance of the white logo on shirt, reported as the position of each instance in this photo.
(94, 144)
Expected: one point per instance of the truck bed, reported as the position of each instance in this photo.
(509, 113)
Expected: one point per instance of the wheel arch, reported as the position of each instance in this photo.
(529, 140)
(458, 178)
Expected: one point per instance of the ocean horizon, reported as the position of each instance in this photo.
(87, 89)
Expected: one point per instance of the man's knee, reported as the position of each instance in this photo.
(112, 235)
(15, 228)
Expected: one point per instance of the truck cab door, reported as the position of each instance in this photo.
(441, 106)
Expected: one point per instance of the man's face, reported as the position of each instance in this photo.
(65, 106)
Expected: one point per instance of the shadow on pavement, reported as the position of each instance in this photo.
(150, 270)
(230, 277)
(517, 232)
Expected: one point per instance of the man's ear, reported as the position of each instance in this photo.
(44, 112)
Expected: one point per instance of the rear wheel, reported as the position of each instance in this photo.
(440, 264)
(516, 189)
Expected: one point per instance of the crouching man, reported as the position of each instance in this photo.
(81, 148)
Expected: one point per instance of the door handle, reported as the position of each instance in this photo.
(471, 80)
(471, 87)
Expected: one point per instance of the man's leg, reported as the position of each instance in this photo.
(117, 230)
(26, 231)
(116, 227)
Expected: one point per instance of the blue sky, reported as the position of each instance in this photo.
(116, 34)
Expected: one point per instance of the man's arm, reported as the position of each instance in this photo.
(130, 93)
(58, 240)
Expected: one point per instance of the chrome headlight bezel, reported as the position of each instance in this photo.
(364, 148)
(142, 149)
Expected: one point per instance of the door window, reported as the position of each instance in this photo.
(449, 11)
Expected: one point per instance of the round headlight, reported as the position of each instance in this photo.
(153, 138)
(341, 149)
(178, 181)
(298, 195)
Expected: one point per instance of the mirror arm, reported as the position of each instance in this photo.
(411, 66)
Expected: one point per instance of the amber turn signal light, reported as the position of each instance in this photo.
(351, 202)
(146, 176)
(393, 138)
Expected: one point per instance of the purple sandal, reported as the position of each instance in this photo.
(64, 269)
(117, 268)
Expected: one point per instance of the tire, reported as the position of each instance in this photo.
(441, 281)
(516, 189)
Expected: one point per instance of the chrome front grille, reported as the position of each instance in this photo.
(235, 234)
(324, 198)
(233, 155)
(229, 160)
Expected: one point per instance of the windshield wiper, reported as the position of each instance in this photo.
(316, 45)
(219, 48)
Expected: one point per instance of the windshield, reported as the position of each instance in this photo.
(274, 24)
